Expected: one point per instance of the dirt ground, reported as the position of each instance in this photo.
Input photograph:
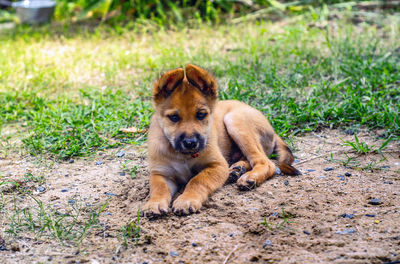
(328, 216)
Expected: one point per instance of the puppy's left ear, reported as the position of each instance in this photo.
(202, 79)
(167, 84)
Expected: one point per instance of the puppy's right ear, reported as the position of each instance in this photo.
(167, 84)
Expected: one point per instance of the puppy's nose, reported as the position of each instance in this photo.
(190, 143)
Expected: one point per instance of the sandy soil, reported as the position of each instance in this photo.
(331, 220)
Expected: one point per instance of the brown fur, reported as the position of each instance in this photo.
(231, 132)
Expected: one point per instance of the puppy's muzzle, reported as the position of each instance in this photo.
(189, 144)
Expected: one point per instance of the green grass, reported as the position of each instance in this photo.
(69, 94)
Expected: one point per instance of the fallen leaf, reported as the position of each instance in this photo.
(133, 130)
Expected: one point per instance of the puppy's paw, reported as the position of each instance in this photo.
(154, 209)
(235, 173)
(184, 205)
(247, 182)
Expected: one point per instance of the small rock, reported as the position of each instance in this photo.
(110, 194)
(347, 174)
(267, 243)
(107, 213)
(194, 244)
(71, 201)
(278, 171)
(350, 216)
(377, 221)
(64, 190)
(349, 132)
(385, 167)
(375, 201)
(341, 177)
(41, 189)
(71, 161)
(328, 169)
(296, 161)
(310, 170)
(173, 254)
(120, 154)
(231, 234)
(387, 182)
(99, 163)
(275, 214)
(66, 175)
(347, 231)
(3, 248)
(306, 232)
(88, 204)
(286, 183)
(370, 215)
(213, 235)
(322, 177)
(396, 238)
(122, 173)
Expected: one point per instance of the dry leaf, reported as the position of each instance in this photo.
(133, 130)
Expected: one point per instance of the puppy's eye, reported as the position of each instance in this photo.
(174, 118)
(201, 115)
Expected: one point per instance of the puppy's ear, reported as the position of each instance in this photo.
(167, 84)
(202, 79)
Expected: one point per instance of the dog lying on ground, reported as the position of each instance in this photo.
(198, 141)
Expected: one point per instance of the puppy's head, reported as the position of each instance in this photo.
(184, 105)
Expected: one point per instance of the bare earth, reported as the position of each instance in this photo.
(328, 211)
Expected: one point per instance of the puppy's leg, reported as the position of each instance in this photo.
(161, 192)
(200, 187)
(248, 139)
(237, 169)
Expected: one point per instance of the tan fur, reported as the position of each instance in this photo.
(233, 132)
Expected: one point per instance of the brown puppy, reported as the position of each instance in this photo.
(196, 141)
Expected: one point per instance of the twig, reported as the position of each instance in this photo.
(230, 253)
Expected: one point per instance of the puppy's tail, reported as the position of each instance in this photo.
(285, 158)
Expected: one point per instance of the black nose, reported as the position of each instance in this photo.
(190, 143)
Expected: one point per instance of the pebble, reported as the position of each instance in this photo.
(376, 221)
(388, 182)
(41, 189)
(370, 215)
(110, 194)
(71, 201)
(64, 190)
(231, 234)
(278, 171)
(107, 213)
(173, 254)
(350, 216)
(347, 231)
(122, 173)
(347, 174)
(375, 201)
(385, 167)
(267, 243)
(3, 248)
(99, 162)
(275, 214)
(349, 132)
(194, 244)
(296, 161)
(71, 161)
(310, 170)
(213, 235)
(286, 183)
(328, 169)
(120, 154)
(341, 177)
(322, 177)
(306, 232)
(66, 175)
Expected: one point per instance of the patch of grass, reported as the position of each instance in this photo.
(132, 230)
(73, 93)
(284, 224)
(43, 221)
(364, 148)
(132, 171)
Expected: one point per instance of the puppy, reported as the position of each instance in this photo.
(199, 142)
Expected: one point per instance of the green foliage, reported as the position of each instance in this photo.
(364, 148)
(132, 230)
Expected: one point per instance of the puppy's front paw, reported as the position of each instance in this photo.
(184, 205)
(154, 209)
(246, 182)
